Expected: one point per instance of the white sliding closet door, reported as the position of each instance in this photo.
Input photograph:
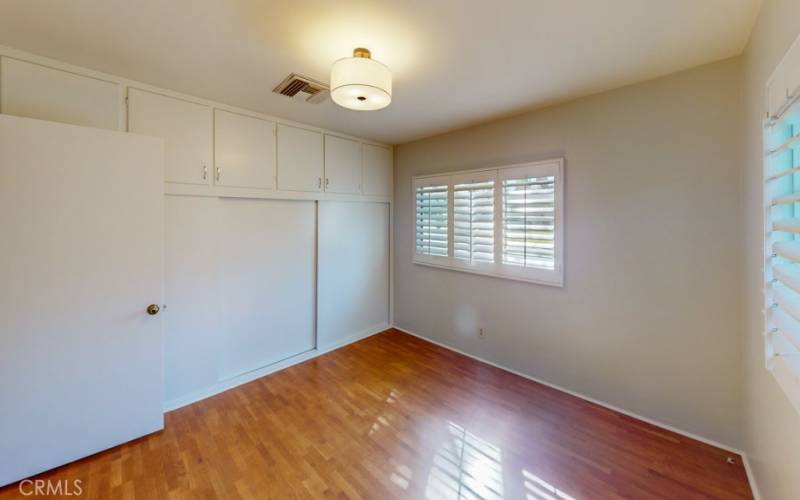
(192, 337)
(81, 225)
(353, 270)
(267, 274)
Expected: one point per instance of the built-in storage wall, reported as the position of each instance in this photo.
(277, 241)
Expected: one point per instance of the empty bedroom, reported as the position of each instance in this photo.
(523, 249)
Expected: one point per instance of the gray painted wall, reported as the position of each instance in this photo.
(649, 319)
(772, 427)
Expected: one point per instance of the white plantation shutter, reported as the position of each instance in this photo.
(432, 217)
(473, 216)
(529, 220)
(532, 219)
(782, 243)
(506, 221)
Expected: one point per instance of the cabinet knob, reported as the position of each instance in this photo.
(153, 309)
(319, 182)
(205, 172)
(219, 171)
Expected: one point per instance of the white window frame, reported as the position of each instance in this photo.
(553, 167)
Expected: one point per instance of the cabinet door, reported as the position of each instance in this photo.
(342, 165)
(35, 91)
(377, 170)
(300, 159)
(244, 151)
(186, 128)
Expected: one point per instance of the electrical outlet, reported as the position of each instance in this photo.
(480, 332)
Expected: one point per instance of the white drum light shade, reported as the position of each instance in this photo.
(361, 83)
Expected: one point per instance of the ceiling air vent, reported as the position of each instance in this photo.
(302, 88)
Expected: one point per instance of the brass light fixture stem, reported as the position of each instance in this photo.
(362, 52)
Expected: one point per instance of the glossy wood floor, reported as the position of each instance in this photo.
(394, 416)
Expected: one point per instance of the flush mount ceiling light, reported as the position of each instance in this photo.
(360, 82)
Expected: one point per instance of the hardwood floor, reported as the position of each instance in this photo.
(395, 416)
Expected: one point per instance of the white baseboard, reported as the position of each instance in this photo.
(230, 383)
(581, 396)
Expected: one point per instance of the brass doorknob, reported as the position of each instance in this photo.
(153, 309)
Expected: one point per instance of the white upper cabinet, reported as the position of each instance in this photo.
(342, 165)
(244, 151)
(36, 91)
(300, 159)
(186, 128)
(210, 150)
(377, 170)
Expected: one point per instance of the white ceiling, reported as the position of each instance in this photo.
(455, 62)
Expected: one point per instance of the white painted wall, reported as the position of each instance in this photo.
(772, 427)
(648, 318)
(353, 270)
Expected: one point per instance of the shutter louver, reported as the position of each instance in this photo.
(431, 220)
(473, 221)
(529, 222)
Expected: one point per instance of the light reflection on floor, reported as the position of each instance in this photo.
(465, 466)
(401, 476)
(538, 489)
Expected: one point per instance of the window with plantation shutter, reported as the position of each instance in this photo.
(473, 216)
(505, 221)
(432, 196)
(782, 226)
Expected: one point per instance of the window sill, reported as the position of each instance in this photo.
(535, 276)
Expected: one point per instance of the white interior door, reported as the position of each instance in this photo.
(81, 218)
